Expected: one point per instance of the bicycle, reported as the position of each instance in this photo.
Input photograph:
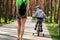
(39, 27)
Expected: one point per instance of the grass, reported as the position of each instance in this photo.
(3, 23)
(53, 29)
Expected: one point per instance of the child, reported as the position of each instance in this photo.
(40, 15)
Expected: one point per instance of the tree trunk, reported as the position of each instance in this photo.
(46, 8)
(0, 11)
(59, 18)
(55, 12)
(0, 18)
(6, 14)
(59, 14)
(51, 12)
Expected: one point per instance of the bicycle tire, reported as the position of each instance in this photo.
(38, 33)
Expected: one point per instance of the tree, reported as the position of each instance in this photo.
(55, 12)
(6, 13)
(1, 9)
(45, 6)
(59, 18)
(51, 12)
(48, 7)
(59, 13)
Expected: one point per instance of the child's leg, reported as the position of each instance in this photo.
(41, 27)
(36, 25)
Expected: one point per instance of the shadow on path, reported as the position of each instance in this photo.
(7, 35)
(26, 39)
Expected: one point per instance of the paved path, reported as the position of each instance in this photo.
(9, 32)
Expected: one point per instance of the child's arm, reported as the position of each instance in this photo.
(36, 14)
(45, 16)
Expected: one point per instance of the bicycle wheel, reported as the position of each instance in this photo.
(39, 28)
(38, 33)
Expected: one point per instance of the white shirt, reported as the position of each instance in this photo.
(40, 13)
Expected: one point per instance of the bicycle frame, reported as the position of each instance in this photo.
(39, 25)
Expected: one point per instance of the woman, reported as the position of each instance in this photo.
(21, 18)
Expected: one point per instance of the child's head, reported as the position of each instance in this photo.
(38, 7)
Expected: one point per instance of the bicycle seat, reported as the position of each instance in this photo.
(40, 21)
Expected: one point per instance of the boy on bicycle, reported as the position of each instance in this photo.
(40, 15)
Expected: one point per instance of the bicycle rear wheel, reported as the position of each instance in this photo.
(39, 29)
(38, 33)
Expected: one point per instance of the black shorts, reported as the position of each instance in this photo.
(38, 18)
(22, 16)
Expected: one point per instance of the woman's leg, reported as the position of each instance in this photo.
(23, 20)
(19, 27)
